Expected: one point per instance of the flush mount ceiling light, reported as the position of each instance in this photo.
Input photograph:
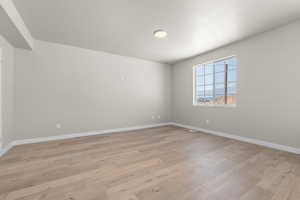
(160, 34)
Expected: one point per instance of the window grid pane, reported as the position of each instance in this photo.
(210, 82)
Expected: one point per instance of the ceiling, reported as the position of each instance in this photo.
(9, 31)
(12, 27)
(125, 27)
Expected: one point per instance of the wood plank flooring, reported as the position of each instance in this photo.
(151, 164)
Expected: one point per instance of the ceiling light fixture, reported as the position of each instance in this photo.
(160, 34)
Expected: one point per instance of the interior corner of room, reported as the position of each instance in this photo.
(51, 89)
(150, 89)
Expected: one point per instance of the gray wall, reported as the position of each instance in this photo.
(7, 90)
(268, 101)
(85, 90)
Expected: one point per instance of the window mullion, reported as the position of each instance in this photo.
(204, 81)
(214, 81)
(225, 84)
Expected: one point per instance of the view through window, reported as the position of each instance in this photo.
(215, 82)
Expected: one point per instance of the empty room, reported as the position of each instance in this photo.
(149, 99)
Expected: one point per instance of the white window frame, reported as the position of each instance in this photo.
(195, 103)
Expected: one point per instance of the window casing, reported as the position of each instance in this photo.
(215, 82)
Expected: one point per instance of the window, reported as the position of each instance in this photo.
(215, 82)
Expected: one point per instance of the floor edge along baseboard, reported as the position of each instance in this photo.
(221, 134)
(6, 148)
(243, 139)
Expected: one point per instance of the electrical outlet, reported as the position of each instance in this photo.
(58, 126)
(207, 121)
(158, 117)
(152, 117)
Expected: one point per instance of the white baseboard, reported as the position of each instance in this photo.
(5, 149)
(75, 135)
(244, 139)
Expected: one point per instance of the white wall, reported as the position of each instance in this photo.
(268, 102)
(6, 91)
(85, 90)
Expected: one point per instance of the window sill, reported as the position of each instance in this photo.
(216, 105)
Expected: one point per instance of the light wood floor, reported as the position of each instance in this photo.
(166, 163)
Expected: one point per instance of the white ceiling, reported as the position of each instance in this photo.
(125, 27)
(12, 27)
(9, 31)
